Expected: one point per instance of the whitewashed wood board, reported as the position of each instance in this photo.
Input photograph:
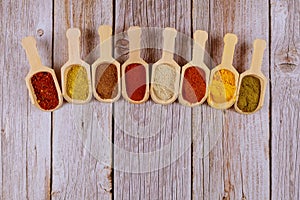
(163, 123)
(80, 132)
(285, 113)
(46, 155)
(25, 131)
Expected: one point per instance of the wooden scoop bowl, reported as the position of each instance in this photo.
(73, 35)
(200, 38)
(259, 47)
(134, 36)
(169, 35)
(105, 58)
(230, 41)
(36, 66)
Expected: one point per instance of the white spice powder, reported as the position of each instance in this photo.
(164, 81)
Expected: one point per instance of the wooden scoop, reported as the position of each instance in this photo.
(29, 44)
(73, 35)
(106, 59)
(230, 41)
(200, 38)
(259, 47)
(169, 35)
(134, 34)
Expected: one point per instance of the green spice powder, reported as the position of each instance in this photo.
(249, 94)
(77, 83)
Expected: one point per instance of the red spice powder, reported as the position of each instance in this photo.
(45, 90)
(135, 79)
(194, 85)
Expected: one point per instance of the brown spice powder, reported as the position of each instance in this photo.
(107, 81)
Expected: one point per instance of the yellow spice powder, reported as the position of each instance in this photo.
(77, 83)
(222, 88)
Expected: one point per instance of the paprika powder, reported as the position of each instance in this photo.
(193, 85)
(45, 90)
(135, 80)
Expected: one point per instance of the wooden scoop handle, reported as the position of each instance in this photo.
(105, 32)
(169, 35)
(259, 47)
(73, 35)
(29, 44)
(200, 38)
(230, 41)
(134, 36)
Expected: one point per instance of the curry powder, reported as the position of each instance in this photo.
(77, 83)
(222, 88)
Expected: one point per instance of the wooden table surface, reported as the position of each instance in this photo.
(67, 154)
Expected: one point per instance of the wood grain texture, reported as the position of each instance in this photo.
(245, 139)
(206, 126)
(25, 130)
(159, 125)
(55, 156)
(81, 134)
(238, 164)
(285, 73)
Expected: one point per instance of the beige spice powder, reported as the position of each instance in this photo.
(164, 81)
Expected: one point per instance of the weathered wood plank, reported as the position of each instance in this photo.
(285, 112)
(245, 138)
(25, 130)
(204, 129)
(81, 134)
(159, 125)
(238, 165)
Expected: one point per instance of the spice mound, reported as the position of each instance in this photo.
(107, 81)
(45, 90)
(135, 80)
(222, 88)
(164, 80)
(249, 94)
(193, 85)
(77, 83)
